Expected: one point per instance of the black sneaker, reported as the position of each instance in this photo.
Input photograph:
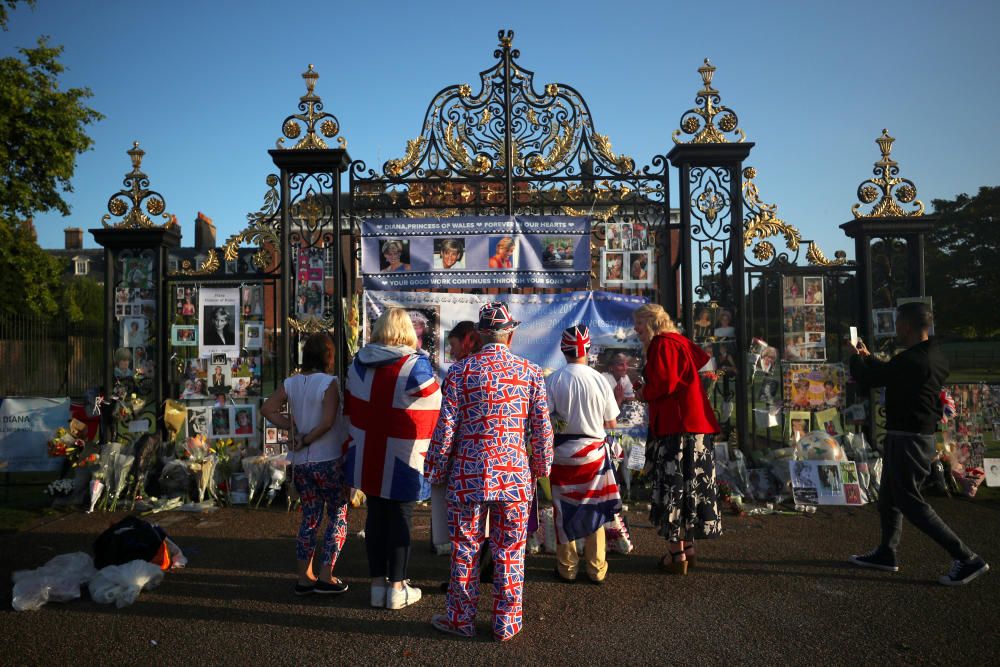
(324, 588)
(964, 571)
(876, 559)
(305, 589)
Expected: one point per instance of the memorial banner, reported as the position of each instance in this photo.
(26, 426)
(615, 350)
(475, 252)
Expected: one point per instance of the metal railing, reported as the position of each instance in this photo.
(49, 357)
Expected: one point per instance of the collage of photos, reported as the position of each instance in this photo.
(631, 269)
(804, 325)
(310, 291)
(825, 482)
(626, 236)
(814, 399)
(135, 312)
(275, 440)
(225, 421)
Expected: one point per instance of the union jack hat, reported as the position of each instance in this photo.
(576, 340)
(494, 316)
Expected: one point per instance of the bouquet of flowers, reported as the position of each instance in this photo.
(256, 470)
(277, 469)
(708, 381)
(225, 450)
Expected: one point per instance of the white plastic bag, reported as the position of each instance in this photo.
(57, 581)
(122, 584)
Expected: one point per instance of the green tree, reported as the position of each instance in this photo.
(963, 264)
(83, 301)
(42, 131)
(31, 279)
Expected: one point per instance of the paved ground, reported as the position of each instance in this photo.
(774, 589)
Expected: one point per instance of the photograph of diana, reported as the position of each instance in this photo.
(502, 251)
(449, 253)
(395, 256)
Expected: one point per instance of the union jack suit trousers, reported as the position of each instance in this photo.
(508, 536)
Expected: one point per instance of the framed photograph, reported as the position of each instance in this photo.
(427, 325)
(134, 331)
(198, 421)
(612, 267)
(557, 252)
(220, 321)
(220, 379)
(992, 468)
(253, 335)
(884, 322)
(220, 358)
(184, 335)
(251, 296)
(828, 420)
(612, 236)
(270, 435)
(395, 255)
(244, 421)
(222, 425)
(503, 252)
(798, 425)
(792, 291)
(449, 253)
(640, 268)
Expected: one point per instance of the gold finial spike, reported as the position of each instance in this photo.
(136, 154)
(506, 39)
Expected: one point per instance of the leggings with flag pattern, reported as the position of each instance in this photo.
(321, 485)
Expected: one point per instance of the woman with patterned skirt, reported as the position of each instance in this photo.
(678, 455)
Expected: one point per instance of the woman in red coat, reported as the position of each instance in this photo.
(680, 458)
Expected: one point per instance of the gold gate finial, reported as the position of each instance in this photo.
(709, 122)
(127, 203)
(894, 190)
(311, 114)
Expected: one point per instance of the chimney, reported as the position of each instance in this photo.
(74, 238)
(204, 233)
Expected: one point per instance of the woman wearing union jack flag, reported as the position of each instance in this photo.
(392, 401)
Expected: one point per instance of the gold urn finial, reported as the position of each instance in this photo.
(136, 153)
(127, 203)
(310, 76)
(311, 114)
(893, 190)
(709, 122)
(707, 71)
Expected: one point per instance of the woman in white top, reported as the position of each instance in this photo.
(313, 398)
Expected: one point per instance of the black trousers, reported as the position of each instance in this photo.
(906, 465)
(387, 537)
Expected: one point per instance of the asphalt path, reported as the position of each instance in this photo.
(772, 590)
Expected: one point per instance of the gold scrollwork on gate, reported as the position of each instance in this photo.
(893, 190)
(710, 122)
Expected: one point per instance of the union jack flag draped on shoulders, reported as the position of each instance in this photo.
(392, 406)
(584, 491)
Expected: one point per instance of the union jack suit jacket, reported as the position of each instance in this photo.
(493, 407)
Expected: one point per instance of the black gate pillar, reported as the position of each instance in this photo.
(311, 221)
(711, 209)
(889, 249)
(888, 241)
(135, 306)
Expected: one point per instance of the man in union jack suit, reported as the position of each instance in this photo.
(492, 441)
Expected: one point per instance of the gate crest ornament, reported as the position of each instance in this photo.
(893, 190)
(311, 108)
(506, 127)
(127, 203)
(709, 122)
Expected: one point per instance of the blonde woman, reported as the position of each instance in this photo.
(680, 460)
(391, 390)
(503, 259)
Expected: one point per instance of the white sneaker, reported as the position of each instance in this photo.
(402, 597)
(378, 593)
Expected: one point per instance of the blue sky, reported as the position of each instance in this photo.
(204, 86)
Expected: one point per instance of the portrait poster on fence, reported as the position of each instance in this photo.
(26, 426)
(825, 483)
(480, 251)
(309, 286)
(615, 350)
(219, 315)
(804, 318)
(813, 386)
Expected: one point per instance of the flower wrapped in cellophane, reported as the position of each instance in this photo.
(256, 470)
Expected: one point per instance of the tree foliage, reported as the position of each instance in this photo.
(31, 279)
(963, 264)
(42, 130)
